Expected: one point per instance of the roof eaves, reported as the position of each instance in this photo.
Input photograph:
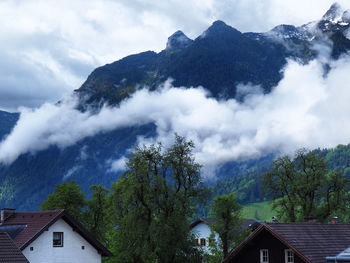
(69, 219)
(240, 246)
(77, 226)
(50, 223)
(275, 234)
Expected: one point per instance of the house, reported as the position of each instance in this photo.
(51, 236)
(9, 252)
(201, 228)
(292, 243)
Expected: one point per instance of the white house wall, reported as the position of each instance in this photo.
(71, 252)
(202, 230)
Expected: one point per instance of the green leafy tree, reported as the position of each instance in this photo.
(303, 187)
(67, 196)
(214, 254)
(96, 215)
(154, 201)
(227, 213)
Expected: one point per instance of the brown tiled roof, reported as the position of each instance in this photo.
(38, 222)
(312, 242)
(9, 252)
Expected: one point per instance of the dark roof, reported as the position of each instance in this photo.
(37, 222)
(343, 257)
(246, 222)
(207, 221)
(312, 242)
(9, 252)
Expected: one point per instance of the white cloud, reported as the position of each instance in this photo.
(259, 16)
(48, 48)
(118, 165)
(306, 109)
(71, 172)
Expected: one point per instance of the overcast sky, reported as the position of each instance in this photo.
(48, 48)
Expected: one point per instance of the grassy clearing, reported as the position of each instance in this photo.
(260, 211)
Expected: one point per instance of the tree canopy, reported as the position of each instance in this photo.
(67, 196)
(154, 201)
(303, 187)
(227, 214)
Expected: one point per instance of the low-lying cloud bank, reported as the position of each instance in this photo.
(306, 109)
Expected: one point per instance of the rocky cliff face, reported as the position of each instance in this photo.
(218, 59)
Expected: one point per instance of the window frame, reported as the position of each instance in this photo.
(61, 238)
(288, 256)
(202, 242)
(264, 258)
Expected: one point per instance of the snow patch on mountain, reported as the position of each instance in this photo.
(334, 14)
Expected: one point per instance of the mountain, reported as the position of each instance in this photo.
(7, 122)
(219, 59)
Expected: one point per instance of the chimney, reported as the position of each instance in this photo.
(334, 220)
(6, 213)
(274, 219)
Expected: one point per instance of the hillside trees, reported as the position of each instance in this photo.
(154, 201)
(303, 187)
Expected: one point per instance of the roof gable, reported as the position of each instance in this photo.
(37, 222)
(311, 242)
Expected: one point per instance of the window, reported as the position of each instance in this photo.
(264, 256)
(31, 248)
(203, 242)
(58, 239)
(288, 256)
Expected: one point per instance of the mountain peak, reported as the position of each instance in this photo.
(219, 23)
(334, 13)
(219, 27)
(346, 16)
(178, 41)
